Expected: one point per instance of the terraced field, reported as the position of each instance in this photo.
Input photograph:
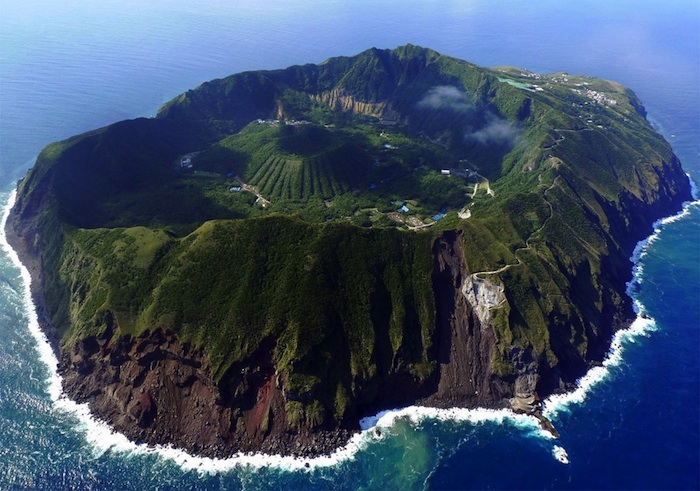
(280, 254)
(327, 172)
(324, 175)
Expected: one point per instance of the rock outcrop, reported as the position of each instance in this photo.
(156, 389)
(465, 338)
(295, 330)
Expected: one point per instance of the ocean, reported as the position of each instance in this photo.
(68, 66)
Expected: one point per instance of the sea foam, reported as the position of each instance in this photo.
(560, 454)
(103, 438)
(46, 353)
(642, 326)
(694, 191)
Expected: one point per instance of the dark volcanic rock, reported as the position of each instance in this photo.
(156, 388)
(464, 344)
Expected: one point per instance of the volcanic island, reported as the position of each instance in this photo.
(277, 254)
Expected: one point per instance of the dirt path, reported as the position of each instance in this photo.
(561, 138)
(489, 191)
(252, 189)
(475, 276)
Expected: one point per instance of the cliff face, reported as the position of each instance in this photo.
(180, 323)
(465, 340)
(156, 389)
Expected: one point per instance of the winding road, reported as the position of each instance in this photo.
(475, 276)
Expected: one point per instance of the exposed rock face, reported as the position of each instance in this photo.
(465, 339)
(150, 388)
(483, 296)
(340, 100)
(156, 389)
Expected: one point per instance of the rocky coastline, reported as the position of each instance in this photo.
(156, 390)
(221, 331)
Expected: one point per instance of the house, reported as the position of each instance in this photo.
(445, 172)
(438, 216)
(235, 189)
(403, 209)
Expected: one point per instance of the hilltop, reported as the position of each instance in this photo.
(279, 253)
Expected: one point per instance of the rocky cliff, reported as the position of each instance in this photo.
(186, 313)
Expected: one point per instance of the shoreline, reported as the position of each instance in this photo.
(103, 438)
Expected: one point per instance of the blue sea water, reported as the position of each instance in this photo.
(69, 66)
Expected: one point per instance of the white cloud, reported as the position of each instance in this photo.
(497, 131)
(446, 97)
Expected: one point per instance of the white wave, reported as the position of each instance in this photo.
(103, 438)
(560, 454)
(694, 191)
(643, 325)
(642, 246)
(555, 403)
(417, 414)
(639, 251)
(46, 353)
(680, 216)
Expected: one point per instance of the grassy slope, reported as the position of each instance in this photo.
(357, 306)
(344, 304)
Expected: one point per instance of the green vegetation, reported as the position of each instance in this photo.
(276, 206)
(323, 292)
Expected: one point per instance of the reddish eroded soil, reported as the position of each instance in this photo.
(156, 389)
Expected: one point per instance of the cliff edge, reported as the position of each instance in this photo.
(280, 253)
